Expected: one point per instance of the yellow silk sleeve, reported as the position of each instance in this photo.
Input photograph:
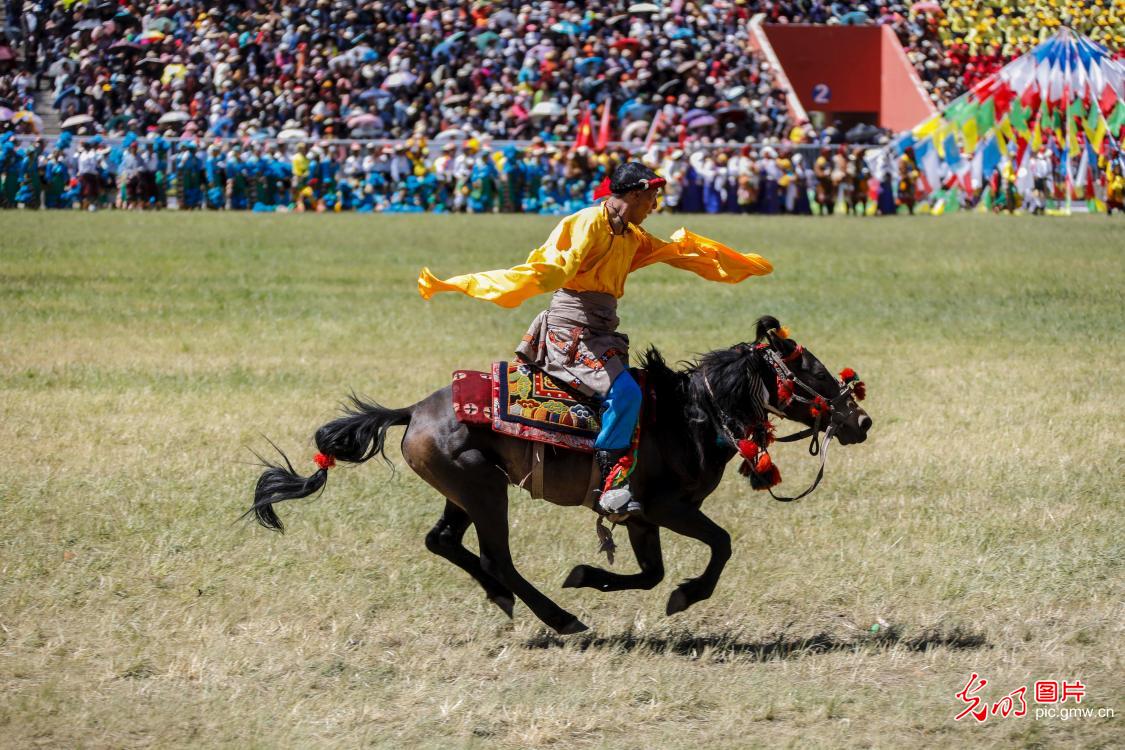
(704, 257)
(547, 268)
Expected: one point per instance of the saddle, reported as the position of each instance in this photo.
(522, 401)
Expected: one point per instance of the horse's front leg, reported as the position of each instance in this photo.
(690, 521)
(645, 539)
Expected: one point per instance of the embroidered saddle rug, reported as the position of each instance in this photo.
(519, 400)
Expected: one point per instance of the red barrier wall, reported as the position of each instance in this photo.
(859, 71)
(904, 103)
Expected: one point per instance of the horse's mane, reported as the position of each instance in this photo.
(735, 379)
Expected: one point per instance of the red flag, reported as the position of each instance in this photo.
(585, 135)
(603, 131)
(1107, 100)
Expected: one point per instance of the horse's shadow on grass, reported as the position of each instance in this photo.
(723, 647)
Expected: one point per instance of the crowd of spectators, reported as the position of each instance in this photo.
(347, 68)
(511, 70)
(416, 176)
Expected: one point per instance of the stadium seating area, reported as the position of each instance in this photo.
(333, 68)
(505, 69)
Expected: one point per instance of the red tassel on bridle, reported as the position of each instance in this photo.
(859, 389)
(756, 462)
(784, 391)
(819, 406)
(324, 461)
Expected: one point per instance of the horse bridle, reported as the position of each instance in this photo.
(836, 414)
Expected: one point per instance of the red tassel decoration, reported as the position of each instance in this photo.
(748, 449)
(847, 374)
(819, 406)
(602, 190)
(324, 461)
(859, 390)
(765, 463)
(784, 390)
(773, 477)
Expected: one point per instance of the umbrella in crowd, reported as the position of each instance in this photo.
(565, 27)
(364, 120)
(399, 80)
(76, 121)
(547, 109)
(862, 133)
(643, 8)
(293, 133)
(854, 18)
(451, 134)
(485, 39)
(702, 122)
(927, 6)
(173, 116)
(635, 131)
(732, 113)
(370, 94)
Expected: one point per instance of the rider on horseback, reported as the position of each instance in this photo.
(575, 341)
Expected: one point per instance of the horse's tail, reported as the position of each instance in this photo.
(356, 437)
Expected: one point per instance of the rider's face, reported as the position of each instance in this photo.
(641, 203)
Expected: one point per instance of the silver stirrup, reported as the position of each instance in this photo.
(618, 500)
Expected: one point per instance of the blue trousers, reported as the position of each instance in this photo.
(619, 420)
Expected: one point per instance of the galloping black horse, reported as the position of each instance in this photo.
(694, 419)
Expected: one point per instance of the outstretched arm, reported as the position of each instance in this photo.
(712, 260)
(547, 268)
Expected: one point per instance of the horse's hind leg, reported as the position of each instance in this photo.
(645, 539)
(444, 540)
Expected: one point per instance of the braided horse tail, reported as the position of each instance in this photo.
(357, 436)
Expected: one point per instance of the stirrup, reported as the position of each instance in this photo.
(618, 502)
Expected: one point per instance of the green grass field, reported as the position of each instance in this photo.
(979, 527)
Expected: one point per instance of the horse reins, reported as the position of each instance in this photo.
(780, 366)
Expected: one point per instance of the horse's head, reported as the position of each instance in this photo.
(806, 391)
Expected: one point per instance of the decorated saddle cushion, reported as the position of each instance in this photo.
(527, 395)
(472, 396)
(524, 402)
(528, 404)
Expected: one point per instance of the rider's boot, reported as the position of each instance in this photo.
(616, 497)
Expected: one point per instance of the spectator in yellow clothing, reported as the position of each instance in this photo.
(300, 167)
(585, 263)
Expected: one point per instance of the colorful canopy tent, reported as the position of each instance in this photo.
(1067, 95)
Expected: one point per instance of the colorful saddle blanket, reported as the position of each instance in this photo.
(524, 402)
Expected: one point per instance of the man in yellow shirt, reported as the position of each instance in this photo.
(299, 164)
(585, 262)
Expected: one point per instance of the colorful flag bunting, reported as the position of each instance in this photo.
(1067, 94)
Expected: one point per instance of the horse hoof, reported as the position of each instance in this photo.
(574, 580)
(677, 602)
(505, 603)
(574, 626)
